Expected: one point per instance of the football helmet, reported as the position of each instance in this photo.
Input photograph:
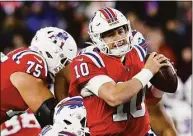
(56, 45)
(107, 19)
(71, 113)
(138, 38)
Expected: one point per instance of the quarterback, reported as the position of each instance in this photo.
(114, 80)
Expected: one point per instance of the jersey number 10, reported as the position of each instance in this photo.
(136, 107)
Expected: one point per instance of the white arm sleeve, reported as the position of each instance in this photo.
(93, 85)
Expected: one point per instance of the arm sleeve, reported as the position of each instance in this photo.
(94, 84)
(82, 72)
(153, 95)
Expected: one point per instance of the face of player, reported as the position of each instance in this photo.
(115, 37)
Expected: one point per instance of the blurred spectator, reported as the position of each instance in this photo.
(10, 6)
(40, 16)
(94, 6)
(156, 42)
(11, 27)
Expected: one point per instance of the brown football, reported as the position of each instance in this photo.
(165, 79)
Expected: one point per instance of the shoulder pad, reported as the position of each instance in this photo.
(95, 58)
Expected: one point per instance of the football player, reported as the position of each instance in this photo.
(115, 79)
(24, 74)
(69, 119)
(180, 112)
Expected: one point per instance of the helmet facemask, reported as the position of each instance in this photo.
(120, 46)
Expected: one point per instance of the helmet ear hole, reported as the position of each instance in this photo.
(49, 55)
(49, 32)
(55, 41)
(67, 122)
(83, 121)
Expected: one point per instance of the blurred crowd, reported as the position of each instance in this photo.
(166, 26)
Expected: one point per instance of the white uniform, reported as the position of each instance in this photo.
(180, 112)
(188, 90)
(55, 130)
(69, 119)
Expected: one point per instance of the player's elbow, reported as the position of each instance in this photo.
(113, 99)
(108, 92)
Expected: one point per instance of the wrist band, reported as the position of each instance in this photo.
(144, 76)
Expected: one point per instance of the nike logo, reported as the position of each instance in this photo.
(40, 61)
(98, 24)
(80, 59)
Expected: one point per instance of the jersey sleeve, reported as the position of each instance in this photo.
(83, 68)
(139, 43)
(153, 95)
(31, 62)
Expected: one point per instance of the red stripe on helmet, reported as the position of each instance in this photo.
(112, 13)
(106, 16)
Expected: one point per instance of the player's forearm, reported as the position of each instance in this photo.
(126, 90)
(60, 87)
(160, 122)
(61, 84)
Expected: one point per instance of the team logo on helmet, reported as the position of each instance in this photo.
(71, 104)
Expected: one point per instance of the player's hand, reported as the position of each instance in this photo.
(155, 62)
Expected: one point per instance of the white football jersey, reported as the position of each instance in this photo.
(56, 130)
(180, 112)
(178, 95)
(188, 90)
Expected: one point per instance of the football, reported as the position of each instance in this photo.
(165, 79)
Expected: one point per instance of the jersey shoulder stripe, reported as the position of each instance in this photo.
(18, 56)
(142, 54)
(141, 40)
(96, 58)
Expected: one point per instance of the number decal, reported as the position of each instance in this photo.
(36, 66)
(135, 112)
(136, 107)
(29, 121)
(14, 124)
(84, 71)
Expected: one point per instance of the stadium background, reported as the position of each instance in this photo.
(166, 26)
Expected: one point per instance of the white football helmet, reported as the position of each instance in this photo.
(71, 113)
(107, 19)
(56, 46)
(138, 38)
